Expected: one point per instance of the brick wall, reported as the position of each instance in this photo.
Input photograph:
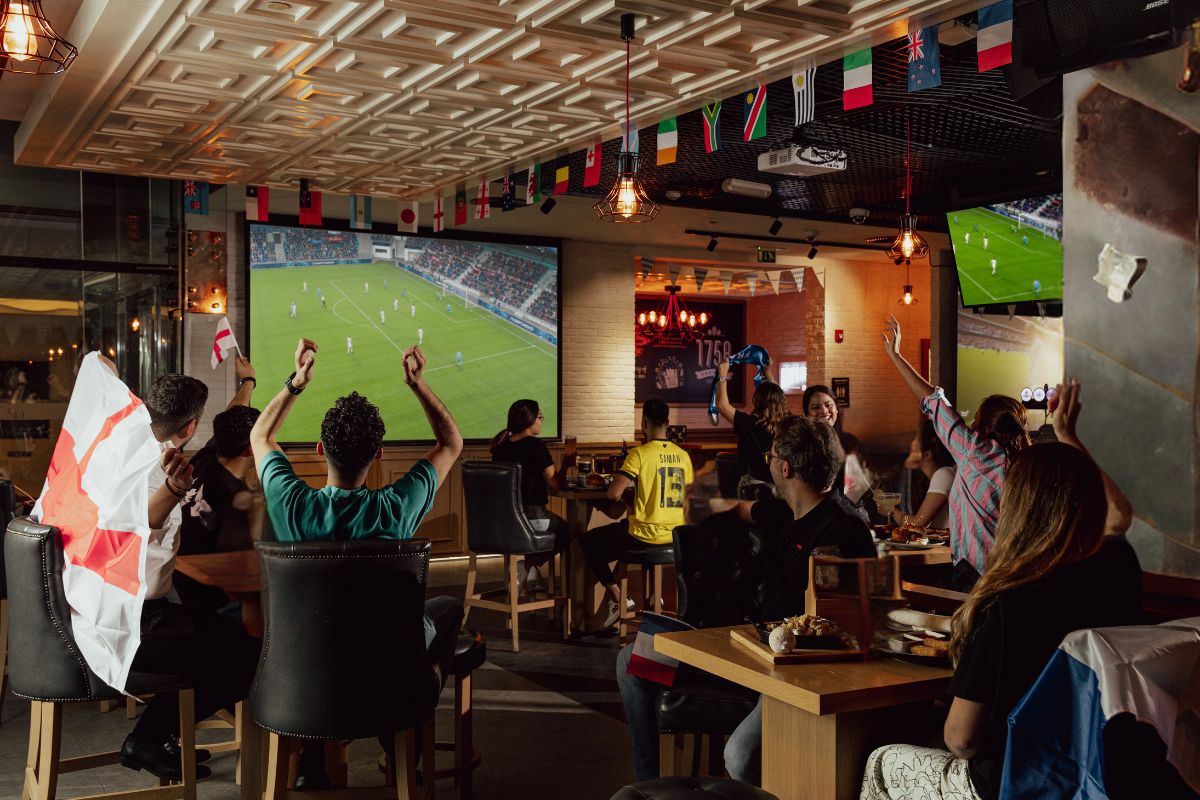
(859, 296)
(780, 323)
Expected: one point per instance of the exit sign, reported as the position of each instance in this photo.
(766, 256)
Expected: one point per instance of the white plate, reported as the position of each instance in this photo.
(912, 546)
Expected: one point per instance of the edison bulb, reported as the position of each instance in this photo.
(642, 318)
(906, 244)
(662, 322)
(908, 298)
(703, 318)
(692, 320)
(19, 41)
(654, 316)
(626, 198)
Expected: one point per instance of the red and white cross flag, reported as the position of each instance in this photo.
(483, 201)
(439, 214)
(223, 342)
(97, 494)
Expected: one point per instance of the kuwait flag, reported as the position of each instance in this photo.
(591, 170)
(755, 121)
(360, 212)
(856, 80)
(712, 127)
(562, 178)
(460, 205)
(257, 200)
(533, 187)
(668, 141)
(995, 35)
(223, 342)
(407, 214)
(646, 662)
(104, 466)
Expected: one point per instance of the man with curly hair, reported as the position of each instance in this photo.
(351, 438)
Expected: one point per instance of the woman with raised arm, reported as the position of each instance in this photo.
(981, 452)
(754, 431)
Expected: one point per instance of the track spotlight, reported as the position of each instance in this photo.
(775, 227)
(746, 188)
(712, 244)
(549, 205)
(812, 253)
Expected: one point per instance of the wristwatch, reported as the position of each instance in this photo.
(723, 379)
(288, 385)
(242, 381)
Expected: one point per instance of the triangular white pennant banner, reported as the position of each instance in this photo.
(673, 271)
(700, 274)
(798, 277)
(752, 282)
(647, 265)
(820, 276)
(726, 280)
(774, 277)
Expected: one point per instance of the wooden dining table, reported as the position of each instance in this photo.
(820, 720)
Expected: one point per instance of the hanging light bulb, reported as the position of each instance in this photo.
(908, 298)
(28, 43)
(683, 316)
(662, 321)
(136, 324)
(703, 317)
(627, 200)
(642, 318)
(908, 244)
(691, 320)
(654, 316)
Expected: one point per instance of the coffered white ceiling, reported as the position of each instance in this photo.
(398, 97)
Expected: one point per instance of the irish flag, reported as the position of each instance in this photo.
(668, 141)
(856, 80)
(994, 41)
(97, 494)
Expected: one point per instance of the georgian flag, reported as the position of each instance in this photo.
(223, 342)
(646, 662)
(97, 494)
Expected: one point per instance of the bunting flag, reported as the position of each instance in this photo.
(754, 106)
(752, 283)
(195, 198)
(533, 184)
(924, 59)
(856, 80)
(591, 169)
(562, 177)
(798, 277)
(408, 214)
(726, 280)
(103, 469)
(632, 140)
(647, 265)
(711, 115)
(483, 200)
(644, 660)
(360, 212)
(994, 40)
(668, 141)
(805, 93)
(258, 200)
(508, 197)
(774, 278)
(439, 213)
(700, 274)
(460, 205)
(310, 204)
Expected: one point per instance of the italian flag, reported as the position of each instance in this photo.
(856, 80)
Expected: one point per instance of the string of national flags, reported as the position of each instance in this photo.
(994, 49)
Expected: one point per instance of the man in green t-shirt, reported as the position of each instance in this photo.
(351, 438)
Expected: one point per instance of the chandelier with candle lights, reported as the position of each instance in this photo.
(671, 324)
(28, 43)
(908, 244)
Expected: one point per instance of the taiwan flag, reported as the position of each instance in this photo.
(258, 200)
(97, 494)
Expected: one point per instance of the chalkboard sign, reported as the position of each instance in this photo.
(683, 375)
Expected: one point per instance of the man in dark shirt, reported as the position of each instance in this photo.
(804, 458)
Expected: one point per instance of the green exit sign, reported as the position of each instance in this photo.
(766, 256)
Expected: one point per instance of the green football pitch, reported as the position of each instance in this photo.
(501, 362)
(1018, 264)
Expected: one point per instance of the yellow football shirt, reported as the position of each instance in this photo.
(661, 472)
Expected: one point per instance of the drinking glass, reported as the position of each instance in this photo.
(585, 469)
(886, 502)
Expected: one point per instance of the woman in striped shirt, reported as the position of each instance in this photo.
(981, 452)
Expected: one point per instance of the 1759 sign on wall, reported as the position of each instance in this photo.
(683, 373)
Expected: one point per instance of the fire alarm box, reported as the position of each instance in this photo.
(839, 335)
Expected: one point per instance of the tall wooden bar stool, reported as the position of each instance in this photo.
(47, 669)
(651, 559)
(334, 665)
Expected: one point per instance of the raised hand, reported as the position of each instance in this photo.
(1064, 410)
(178, 469)
(242, 368)
(723, 368)
(891, 345)
(414, 365)
(306, 352)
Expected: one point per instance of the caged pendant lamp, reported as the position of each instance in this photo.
(908, 244)
(627, 201)
(28, 43)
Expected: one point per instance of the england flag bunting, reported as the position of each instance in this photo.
(97, 494)
(439, 213)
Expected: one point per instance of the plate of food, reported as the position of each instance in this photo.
(797, 639)
(916, 537)
(927, 648)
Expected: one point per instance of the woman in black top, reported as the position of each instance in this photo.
(1041, 583)
(518, 443)
(754, 431)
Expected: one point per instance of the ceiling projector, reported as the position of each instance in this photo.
(802, 161)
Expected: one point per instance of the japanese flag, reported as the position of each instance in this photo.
(223, 342)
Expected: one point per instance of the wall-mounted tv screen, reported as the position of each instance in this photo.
(1009, 252)
(486, 315)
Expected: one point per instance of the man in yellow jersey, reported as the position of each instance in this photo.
(660, 472)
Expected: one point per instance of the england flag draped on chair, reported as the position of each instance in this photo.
(96, 493)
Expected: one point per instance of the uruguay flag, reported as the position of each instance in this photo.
(1055, 734)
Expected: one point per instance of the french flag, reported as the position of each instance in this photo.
(995, 35)
(645, 661)
(1055, 734)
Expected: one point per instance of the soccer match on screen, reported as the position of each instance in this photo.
(485, 315)
(1009, 252)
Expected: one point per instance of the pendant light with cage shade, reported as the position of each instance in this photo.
(627, 200)
(908, 244)
(28, 42)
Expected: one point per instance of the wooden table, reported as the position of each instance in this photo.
(820, 721)
(585, 599)
(903, 558)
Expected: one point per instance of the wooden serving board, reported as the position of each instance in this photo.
(747, 637)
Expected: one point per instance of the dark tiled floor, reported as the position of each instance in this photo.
(548, 720)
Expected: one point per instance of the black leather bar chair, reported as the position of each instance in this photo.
(344, 654)
(8, 505)
(497, 525)
(46, 668)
